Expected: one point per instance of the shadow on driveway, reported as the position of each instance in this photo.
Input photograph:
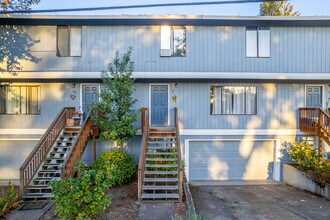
(272, 201)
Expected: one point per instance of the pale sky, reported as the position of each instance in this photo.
(306, 7)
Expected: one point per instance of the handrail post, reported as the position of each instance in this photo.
(319, 133)
(177, 133)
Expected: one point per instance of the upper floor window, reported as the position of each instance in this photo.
(233, 100)
(68, 41)
(173, 41)
(257, 41)
(19, 100)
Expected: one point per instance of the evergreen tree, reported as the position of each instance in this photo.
(277, 8)
(116, 113)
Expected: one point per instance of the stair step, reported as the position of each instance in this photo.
(160, 148)
(161, 159)
(160, 179)
(49, 171)
(55, 158)
(161, 172)
(46, 178)
(165, 137)
(161, 165)
(161, 153)
(153, 187)
(38, 195)
(39, 187)
(64, 141)
(51, 164)
(160, 196)
(161, 142)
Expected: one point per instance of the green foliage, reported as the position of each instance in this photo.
(116, 166)
(307, 159)
(190, 216)
(85, 196)
(116, 105)
(304, 155)
(17, 4)
(279, 8)
(9, 199)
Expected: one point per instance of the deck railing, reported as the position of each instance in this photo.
(143, 151)
(76, 152)
(37, 156)
(315, 121)
(177, 131)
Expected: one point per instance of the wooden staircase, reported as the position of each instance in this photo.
(160, 168)
(54, 156)
(316, 121)
(50, 168)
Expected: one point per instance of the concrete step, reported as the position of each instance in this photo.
(160, 196)
(153, 187)
(160, 179)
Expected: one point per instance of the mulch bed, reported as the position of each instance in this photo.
(124, 204)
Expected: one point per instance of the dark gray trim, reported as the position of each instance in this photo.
(174, 22)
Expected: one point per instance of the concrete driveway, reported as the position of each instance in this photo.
(271, 201)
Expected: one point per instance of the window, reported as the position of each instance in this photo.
(19, 100)
(68, 41)
(233, 100)
(173, 41)
(258, 42)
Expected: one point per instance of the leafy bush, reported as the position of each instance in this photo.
(81, 197)
(304, 155)
(117, 166)
(307, 159)
(190, 216)
(9, 199)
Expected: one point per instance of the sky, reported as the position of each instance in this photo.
(305, 7)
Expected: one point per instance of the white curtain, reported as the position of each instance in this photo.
(251, 100)
(238, 100)
(216, 100)
(227, 107)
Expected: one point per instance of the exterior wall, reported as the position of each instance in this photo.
(209, 49)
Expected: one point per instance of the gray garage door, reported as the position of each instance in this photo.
(231, 160)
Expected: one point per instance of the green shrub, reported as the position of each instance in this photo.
(81, 197)
(9, 199)
(189, 216)
(117, 166)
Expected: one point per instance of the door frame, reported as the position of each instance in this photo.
(168, 100)
(81, 92)
(322, 93)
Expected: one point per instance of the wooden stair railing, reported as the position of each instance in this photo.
(75, 154)
(177, 131)
(143, 151)
(38, 154)
(315, 121)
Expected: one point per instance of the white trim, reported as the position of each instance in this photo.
(172, 75)
(276, 156)
(241, 132)
(168, 101)
(22, 131)
(87, 84)
(19, 139)
(321, 85)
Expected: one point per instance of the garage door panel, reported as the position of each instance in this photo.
(231, 160)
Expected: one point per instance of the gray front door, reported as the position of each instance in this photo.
(159, 104)
(313, 96)
(90, 94)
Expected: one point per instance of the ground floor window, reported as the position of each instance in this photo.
(19, 100)
(233, 100)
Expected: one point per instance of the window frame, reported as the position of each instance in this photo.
(172, 40)
(257, 29)
(245, 86)
(20, 88)
(69, 40)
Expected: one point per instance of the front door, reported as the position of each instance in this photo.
(90, 94)
(313, 96)
(159, 104)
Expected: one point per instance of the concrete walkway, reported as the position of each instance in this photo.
(270, 201)
(29, 214)
(156, 211)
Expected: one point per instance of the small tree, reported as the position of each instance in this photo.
(116, 105)
(277, 8)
